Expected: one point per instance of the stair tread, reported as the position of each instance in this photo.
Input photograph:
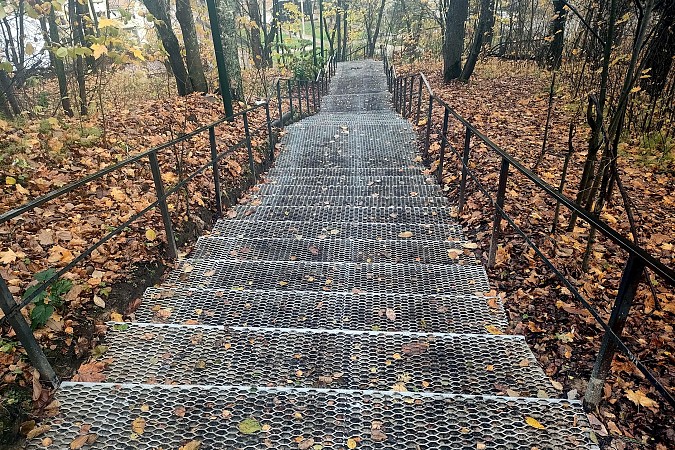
(359, 311)
(171, 416)
(428, 279)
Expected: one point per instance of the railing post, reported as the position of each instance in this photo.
(395, 94)
(251, 163)
(172, 250)
(444, 138)
(26, 336)
(289, 87)
(404, 105)
(306, 83)
(314, 94)
(281, 110)
(465, 164)
(297, 84)
(630, 280)
(419, 101)
(427, 136)
(410, 103)
(268, 117)
(499, 206)
(216, 171)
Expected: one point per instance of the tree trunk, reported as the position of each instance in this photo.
(227, 10)
(255, 33)
(59, 68)
(159, 9)
(74, 10)
(338, 27)
(10, 105)
(194, 62)
(311, 21)
(485, 23)
(453, 40)
(660, 51)
(555, 49)
(344, 31)
(372, 44)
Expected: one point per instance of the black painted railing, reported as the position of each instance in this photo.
(296, 92)
(409, 91)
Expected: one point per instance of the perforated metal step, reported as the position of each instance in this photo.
(355, 191)
(338, 230)
(355, 310)
(410, 171)
(409, 182)
(369, 201)
(336, 277)
(327, 214)
(151, 417)
(382, 361)
(335, 250)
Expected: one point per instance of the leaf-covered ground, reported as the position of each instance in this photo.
(507, 101)
(37, 156)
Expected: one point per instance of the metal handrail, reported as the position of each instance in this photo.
(12, 309)
(638, 257)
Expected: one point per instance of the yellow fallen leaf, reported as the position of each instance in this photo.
(405, 234)
(8, 257)
(534, 423)
(116, 317)
(150, 234)
(79, 442)
(138, 425)
(470, 245)
(9, 181)
(192, 445)
(493, 329)
(351, 443)
(640, 399)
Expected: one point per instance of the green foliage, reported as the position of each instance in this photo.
(301, 63)
(48, 300)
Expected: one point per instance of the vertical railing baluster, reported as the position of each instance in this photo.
(314, 95)
(404, 105)
(410, 103)
(419, 101)
(268, 117)
(306, 83)
(290, 97)
(630, 280)
(427, 135)
(216, 171)
(25, 335)
(499, 207)
(281, 109)
(171, 250)
(465, 165)
(297, 85)
(251, 162)
(444, 138)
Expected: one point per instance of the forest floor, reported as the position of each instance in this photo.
(40, 155)
(507, 101)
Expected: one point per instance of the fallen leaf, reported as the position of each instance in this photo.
(138, 425)
(534, 423)
(7, 257)
(79, 442)
(493, 329)
(249, 426)
(391, 315)
(351, 443)
(405, 234)
(192, 445)
(150, 234)
(98, 301)
(306, 443)
(640, 399)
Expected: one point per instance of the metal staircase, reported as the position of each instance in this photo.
(341, 308)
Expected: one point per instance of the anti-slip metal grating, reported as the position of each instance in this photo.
(360, 311)
(369, 201)
(410, 362)
(353, 191)
(338, 230)
(335, 250)
(340, 308)
(419, 215)
(330, 277)
(281, 418)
